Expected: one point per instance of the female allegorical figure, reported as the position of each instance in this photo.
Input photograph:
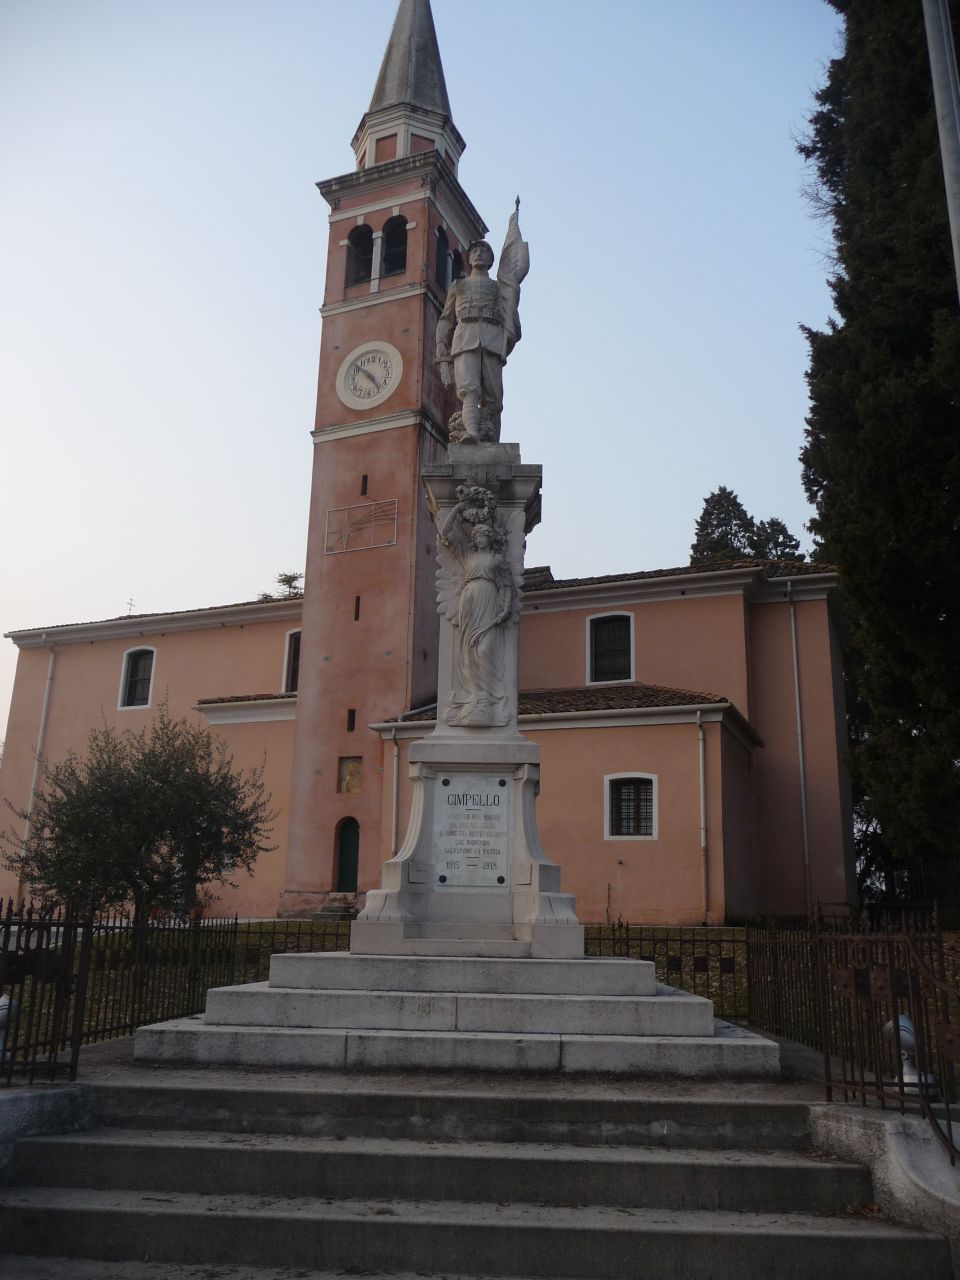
(484, 597)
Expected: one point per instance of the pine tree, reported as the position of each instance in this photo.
(724, 530)
(882, 454)
(772, 540)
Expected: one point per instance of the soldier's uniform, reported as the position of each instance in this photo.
(472, 333)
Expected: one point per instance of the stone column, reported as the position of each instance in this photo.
(471, 877)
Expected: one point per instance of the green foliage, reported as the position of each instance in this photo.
(882, 454)
(772, 540)
(143, 819)
(725, 531)
(289, 584)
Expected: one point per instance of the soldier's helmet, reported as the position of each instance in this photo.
(480, 244)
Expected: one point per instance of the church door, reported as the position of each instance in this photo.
(348, 855)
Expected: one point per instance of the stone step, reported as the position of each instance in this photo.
(442, 1237)
(21, 1267)
(258, 1004)
(505, 1109)
(729, 1053)
(370, 1168)
(346, 971)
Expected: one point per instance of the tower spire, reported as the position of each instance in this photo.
(409, 111)
(411, 71)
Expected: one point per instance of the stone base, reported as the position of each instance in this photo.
(435, 899)
(340, 1011)
(303, 904)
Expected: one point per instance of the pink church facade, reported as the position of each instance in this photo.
(732, 716)
(690, 721)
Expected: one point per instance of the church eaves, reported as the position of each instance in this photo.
(412, 71)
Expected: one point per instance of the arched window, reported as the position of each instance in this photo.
(359, 255)
(456, 266)
(443, 259)
(348, 855)
(394, 246)
(137, 678)
(610, 648)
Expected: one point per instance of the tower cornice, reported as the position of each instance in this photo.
(427, 164)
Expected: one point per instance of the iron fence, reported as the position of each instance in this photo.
(68, 980)
(890, 1024)
(711, 962)
(879, 999)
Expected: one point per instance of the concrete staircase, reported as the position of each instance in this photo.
(453, 1176)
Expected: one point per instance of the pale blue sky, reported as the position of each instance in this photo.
(162, 268)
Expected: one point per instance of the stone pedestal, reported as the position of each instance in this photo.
(471, 878)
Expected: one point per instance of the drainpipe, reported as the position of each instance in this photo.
(395, 805)
(395, 802)
(807, 887)
(37, 761)
(704, 882)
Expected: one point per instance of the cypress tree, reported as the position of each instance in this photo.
(882, 455)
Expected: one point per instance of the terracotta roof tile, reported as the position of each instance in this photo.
(605, 697)
(243, 697)
(541, 579)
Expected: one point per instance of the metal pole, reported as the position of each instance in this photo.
(946, 96)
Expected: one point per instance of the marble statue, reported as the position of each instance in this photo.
(479, 593)
(478, 329)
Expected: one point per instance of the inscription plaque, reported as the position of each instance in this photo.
(471, 831)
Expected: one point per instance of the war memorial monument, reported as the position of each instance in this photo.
(470, 956)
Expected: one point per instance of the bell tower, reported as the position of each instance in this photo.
(400, 225)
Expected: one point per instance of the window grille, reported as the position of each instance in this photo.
(631, 807)
(610, 657)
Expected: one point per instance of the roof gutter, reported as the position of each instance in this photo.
(604, 713)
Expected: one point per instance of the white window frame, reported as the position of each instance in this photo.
(140, 706)
(610, 613)
(286, 657)
(632, 773)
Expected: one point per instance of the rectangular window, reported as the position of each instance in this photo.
(136, 682)
(351, 720)
(363, 486)
(610, 657)
(292, 676)
(356, 608)
(631, 807)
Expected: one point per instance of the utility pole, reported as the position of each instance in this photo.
(946, 96)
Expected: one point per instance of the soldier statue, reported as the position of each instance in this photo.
(478, 329)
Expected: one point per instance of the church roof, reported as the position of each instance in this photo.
(539, 578)
(628, 696)
(411, 70)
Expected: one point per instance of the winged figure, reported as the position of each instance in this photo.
(478, 591)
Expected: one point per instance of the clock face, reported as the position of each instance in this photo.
(369, 375)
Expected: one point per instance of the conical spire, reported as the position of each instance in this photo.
(412, 71)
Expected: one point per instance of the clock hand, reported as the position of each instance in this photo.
(364, 370)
